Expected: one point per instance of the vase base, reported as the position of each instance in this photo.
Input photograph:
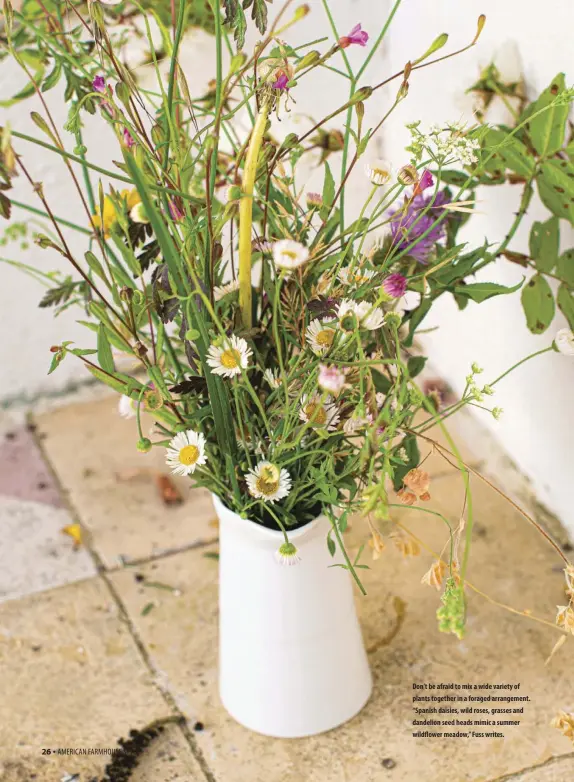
(300, 729)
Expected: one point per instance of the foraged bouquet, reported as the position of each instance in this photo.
(269, 335)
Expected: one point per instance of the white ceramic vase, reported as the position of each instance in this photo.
(292, 661)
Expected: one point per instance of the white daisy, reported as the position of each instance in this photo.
(351, 313)
(355, 277)
(138, 215)
(320, 413)
(185, 452)
(222, 290)
(564, 341)
(287, 554)
(127, 407)
(230, 358)
(379, 172)
(354, 424)
(268, 482)
(272, 377)
(320, 336)
(288, 254)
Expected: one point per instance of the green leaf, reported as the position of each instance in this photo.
(481, 291)
(95, 265)
(556, 187)
(235, 19)
(382, 382)
(331, 545)
(258, 13)
(538, 304)
(416, 317)
(507, 152)
(547, 129)
(415, 365)
(565, 300)
(117, 381)
(328, 191)
(53, 77)
(565, 267)
(544, 243)
(105, 357)
(57, 359)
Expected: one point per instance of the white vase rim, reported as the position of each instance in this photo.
(271, 534)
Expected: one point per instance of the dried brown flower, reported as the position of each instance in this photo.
(406, 497)
(565, 723)
(565, 618)
(406, 544)
(418, 481)
(377, 543)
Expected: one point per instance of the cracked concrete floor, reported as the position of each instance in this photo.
(121, 632)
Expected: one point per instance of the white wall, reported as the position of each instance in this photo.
(539, 416)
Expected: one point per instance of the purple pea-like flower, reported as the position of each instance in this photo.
(410, 224)
(425, 182)
(357, 35)
(395, 285)
(281, 82)
(128, 139)
(175, 212)
(99, 84)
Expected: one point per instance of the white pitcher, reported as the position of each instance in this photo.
(292, 661)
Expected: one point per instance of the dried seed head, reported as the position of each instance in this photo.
(565, 724)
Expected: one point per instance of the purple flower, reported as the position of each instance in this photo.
(425, 182)
(357, 35)
(99, 84)
(314, 200)
(395, 285)
(128, 139)
(175, 211)
(409, 224)
(282, 81)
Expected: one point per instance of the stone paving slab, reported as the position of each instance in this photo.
(34, 553)
(398, 617)
(70, 677)
(556, 770)
(112, 488)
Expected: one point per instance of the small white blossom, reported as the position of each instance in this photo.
(353, 278)
(287, 554)
(272, 377)
(380, 172)
(220, 291)
(564, 341)
(230, 358)
(320, 413)
(320, 336)
(288, 254)
(268, 482)
(364, 314)
(127, 407)
(185, 452)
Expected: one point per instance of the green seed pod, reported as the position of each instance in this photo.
(310, 59)
(144, 445)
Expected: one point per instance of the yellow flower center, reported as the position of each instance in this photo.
(230, 359)
(383, 173)
(291, 254)
(268, 480)
(316, 414)
(189, 455)
(325, 338)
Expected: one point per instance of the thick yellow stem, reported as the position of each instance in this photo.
(246, 215)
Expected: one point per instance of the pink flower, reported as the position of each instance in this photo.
(176, 213)
(99, 84)
(395, 285)
(314, 200)
(425, 182)
(281, 82)
(331, 379)
(128, 139)
(357, 35)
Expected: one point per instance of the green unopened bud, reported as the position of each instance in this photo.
(488, 390)
(144, 445)
(290, 141)
(362, 94)
(476, 368)
(153, 400)
(310, 59)
(360, 110)
(157, 135)
(408, 176)
(497, 412)
(80, 150)
(393, 319)
(301, 12)
(97, 14)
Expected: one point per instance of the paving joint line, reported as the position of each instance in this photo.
(124, 616)
(170, 552)
(517, 775)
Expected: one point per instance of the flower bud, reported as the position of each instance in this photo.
(144, 445)
(310, 59)
(362, 94)
(408, 176)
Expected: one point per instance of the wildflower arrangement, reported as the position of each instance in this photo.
(269, 336)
